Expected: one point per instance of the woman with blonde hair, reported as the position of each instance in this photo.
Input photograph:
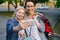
(13, 25)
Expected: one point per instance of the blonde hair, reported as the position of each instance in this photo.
(18, 8)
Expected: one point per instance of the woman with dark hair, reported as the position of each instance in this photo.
(30, 7)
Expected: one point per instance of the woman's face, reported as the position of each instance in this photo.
(30, 7)
(20, 14)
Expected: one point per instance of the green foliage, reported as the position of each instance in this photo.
(15, 0)
(57, 4)
(41, 1)
(10, 1)
(1, 1)
(57, 27)
(6, 13)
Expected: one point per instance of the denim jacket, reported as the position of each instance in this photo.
(10, 34)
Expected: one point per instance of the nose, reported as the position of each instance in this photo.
(21, 14)
(29, 8)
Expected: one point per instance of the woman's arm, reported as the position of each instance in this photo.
(40, 24)
(10, 27)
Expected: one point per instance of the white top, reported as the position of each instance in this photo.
(32, 31)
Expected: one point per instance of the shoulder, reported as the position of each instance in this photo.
(40, 14)
(11, 20)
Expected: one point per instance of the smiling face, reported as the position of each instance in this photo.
(20, 14)
(30, 7)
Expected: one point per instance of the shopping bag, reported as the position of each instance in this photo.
(28, 38)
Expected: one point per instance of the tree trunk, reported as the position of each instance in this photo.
(8, 6)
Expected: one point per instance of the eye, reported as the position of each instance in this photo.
(32, 6)
(28, 6)
(19, 12)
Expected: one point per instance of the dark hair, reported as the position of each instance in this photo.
(29, 1)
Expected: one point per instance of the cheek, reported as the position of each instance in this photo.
(23, 15)
(32, 8)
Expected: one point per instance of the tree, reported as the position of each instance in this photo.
(57, 5)
(13, 2)
(9, 2)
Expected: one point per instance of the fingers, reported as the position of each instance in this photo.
(25, 24)
(35, 16)
(21, 33)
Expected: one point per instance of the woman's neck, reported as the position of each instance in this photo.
(30, 15)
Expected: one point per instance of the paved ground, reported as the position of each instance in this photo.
(3, 20)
